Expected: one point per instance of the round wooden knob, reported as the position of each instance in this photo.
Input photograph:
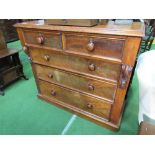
(53, 93)
(46, 57)
(91, 67)
(90, 46)
(90, 87)
(50, 75)
(40, 39)
(90, 106)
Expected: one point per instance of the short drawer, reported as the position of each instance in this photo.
(47, 39)
(74, 81)
(90, 67)
(95, 46)
(89, 104)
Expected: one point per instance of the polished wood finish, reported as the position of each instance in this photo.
(81, 69)
(94, 68)
(136, 29)
(73, 22)
(89, 104)
(43, 38)
(78, 82)
(90, 45)
(125, 72)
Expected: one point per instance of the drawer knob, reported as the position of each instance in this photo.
(90, 106)
(46, 57)
(50, 75)
(90, 87)
(91, 67)
(90, 46)
(53, 93)
(40, 40)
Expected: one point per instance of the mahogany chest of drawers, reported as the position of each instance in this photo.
(85, 70)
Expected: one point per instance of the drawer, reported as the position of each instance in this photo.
(95, 46)
(47, 39)
(88, 67)
(75, 81)
(89, 104)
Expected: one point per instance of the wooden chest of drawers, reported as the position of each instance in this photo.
(85, 70)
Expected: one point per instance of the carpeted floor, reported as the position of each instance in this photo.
(22, 113)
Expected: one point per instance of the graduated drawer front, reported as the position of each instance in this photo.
(95, 46)
(86, 103)
(88, 85)
(47, 39)
(95, 68)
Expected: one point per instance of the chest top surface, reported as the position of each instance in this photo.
(136, 29)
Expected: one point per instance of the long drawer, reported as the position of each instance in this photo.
(95, 45)
(74, 81)
(86, 103)
(89, 67)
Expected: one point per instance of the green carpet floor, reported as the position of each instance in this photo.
(22, 113)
